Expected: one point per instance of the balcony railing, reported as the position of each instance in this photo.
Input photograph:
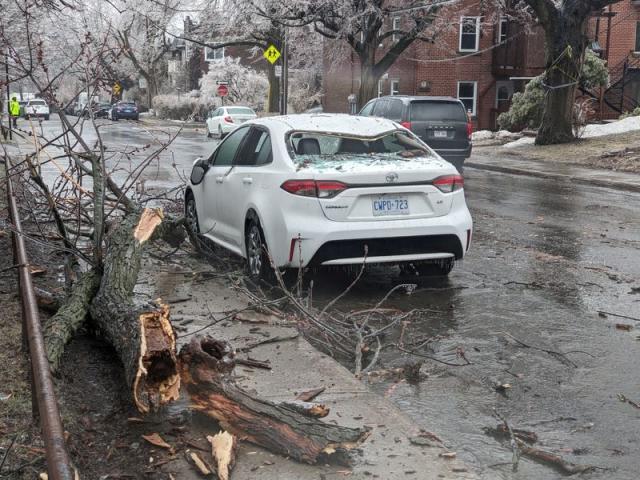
(509, 58)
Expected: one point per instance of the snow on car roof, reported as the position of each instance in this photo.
(332, 123)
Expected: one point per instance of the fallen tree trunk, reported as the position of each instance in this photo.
(70, 316)
(142, 335)
(205, 367)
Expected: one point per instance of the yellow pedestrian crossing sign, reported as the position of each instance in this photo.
(272, 54)
(116, 88)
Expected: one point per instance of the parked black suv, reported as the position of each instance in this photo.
(441, 122)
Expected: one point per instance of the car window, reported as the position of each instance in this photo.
(327, 148)
(380, 108)
(240, 111)
(366, 111)
(435, 110)
(37, 102)
(256, 149)
(227, 150)
(395, 110)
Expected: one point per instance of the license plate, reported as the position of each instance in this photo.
(390, 205)
(440, 134)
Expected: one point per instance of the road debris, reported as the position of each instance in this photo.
(223, 450)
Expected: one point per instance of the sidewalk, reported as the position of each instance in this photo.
(387, 454)
(558, 171)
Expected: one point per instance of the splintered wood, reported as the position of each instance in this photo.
(223, 450)
(205, 367)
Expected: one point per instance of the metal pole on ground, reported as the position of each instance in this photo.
(58, 461)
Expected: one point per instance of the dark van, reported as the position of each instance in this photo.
(441, 122)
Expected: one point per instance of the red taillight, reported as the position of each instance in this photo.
(228, 119)
(406, 125)
(312, 188)
(449, 183)
(469, 127)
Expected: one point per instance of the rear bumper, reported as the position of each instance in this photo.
(228, 127)
(129, 115)
(324, 242)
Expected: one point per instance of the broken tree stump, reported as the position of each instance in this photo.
(142, 335)
(206, 365)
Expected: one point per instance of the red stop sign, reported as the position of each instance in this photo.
(223, 91)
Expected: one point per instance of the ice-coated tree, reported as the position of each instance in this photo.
(245, 85)
(141, 35)
(241, 23)
(367, 27)
(565, 26)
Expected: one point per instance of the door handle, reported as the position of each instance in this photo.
(219, 179)
(247, 180)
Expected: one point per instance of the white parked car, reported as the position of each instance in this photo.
(226, 119)
(324, 189)
(36, 108)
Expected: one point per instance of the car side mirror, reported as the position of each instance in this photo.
(198, 171)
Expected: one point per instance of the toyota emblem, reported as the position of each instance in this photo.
(392, 177)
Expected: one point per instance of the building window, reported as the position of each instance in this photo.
(503, 30)
(213, 54)
(467, 93)
(637, 49)
(380, 86)
(503, 97)
(394, 87)
(469, 34)
(395, 25)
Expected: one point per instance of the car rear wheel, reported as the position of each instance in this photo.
(46, 117)
(258, 264)
(220, 134)
(191, 215)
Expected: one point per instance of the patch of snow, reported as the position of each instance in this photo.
(628, 124)
(482, 135)
(502, 134)
(520, 142)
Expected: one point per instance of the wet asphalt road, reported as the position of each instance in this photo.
(546, 256)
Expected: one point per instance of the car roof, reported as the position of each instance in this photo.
(421, 98)
(330, 122)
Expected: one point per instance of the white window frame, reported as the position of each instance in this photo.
(475, 95)
(394, 91)
(380, 87)
(395, 25)
(477, 44)
(503, 21)
(207, 50)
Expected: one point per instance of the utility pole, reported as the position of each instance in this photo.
(284, 76)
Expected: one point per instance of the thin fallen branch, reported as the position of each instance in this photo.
(515, 458)
(423, 355)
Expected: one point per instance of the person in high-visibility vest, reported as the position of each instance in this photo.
(14, 111)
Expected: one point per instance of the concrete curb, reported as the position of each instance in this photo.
(557, 176)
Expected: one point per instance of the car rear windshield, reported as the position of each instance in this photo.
(37, 102)
(434, 110)
(240, 111)
(127, 104)
(397, 146)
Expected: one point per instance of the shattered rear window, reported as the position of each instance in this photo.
(327, 150)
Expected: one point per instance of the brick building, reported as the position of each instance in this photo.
(616, 36)
(483, 58)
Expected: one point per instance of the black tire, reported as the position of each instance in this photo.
(208, 132)
(429, 269)
(46, 117)
(220, 134)
(114, 118)
(191, 214)
(257, 258)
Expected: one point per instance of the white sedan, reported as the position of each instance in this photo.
(317, 190)
(36, 108)
(226, 119)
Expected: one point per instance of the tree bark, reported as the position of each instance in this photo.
(206, 365)
(565, 51)
(71, 315)
(142, 335)
(368, 84)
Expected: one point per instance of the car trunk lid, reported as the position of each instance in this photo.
(379, 190)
